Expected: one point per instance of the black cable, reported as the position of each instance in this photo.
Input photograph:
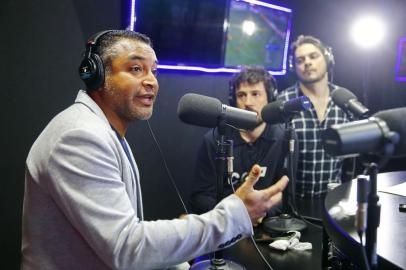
(304, 218)
(252, 238)
(363, 252)
(167, 168)
(180, 197)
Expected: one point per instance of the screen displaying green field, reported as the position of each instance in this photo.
(257, 35)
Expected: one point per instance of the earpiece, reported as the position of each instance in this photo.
(91, 69)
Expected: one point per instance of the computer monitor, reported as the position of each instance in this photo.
(215, 35)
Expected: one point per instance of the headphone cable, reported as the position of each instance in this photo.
(166, 167)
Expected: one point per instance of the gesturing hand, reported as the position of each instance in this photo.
(258, 202)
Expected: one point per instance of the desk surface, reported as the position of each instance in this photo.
(245, 253)
(391, 240)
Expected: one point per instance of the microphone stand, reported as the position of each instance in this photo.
(218, 262)
(373, 216)
(285, 221)
(374, 207)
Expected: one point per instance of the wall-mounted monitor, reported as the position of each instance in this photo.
(215, 35)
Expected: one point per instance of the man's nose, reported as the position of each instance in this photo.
(249, 100)
(150, 82)
(307, 61)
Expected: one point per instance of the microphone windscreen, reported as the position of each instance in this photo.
(395, 120)
(199, 110)
(341, 96)
(272, 113)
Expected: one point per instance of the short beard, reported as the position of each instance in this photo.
(311, 81)
(123, 112)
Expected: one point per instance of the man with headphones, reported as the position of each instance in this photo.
(313, 62)
(250, 89)
(83, 203)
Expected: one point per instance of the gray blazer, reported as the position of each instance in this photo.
(83, 206)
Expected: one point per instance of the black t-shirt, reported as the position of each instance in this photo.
(268, 151)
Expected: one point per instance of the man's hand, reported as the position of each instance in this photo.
(258, 202)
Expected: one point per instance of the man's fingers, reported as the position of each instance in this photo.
(276, 198)
(253, 176)
(278, 186)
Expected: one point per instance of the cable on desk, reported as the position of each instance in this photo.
(252, 238)
(260, 253)
(304, 218)
(363, 252)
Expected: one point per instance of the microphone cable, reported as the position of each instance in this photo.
(363, 252)
(166, 167)
(252, 237)
(229, 179)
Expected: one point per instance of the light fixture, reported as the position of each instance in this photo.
(368, 31)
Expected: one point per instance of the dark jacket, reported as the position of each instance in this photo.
(268, 151)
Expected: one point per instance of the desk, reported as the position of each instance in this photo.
(391, 240)
(245, 253)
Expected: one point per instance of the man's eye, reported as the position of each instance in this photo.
(136, 68)
(299, 60)
(314, 55)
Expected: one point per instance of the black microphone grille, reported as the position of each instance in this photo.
(341, 96)
(199, 110)
(272, 112)
(395, 120)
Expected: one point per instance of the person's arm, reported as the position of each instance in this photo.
(85, 181)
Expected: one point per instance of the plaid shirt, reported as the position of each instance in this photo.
(315, 167)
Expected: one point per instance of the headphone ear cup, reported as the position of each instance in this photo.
(274, 95)
(291, 65)
(99, 71)
(331, 60)
(91, 71)
(231, 96)
(273, 91)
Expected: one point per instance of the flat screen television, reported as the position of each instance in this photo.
(215, 35)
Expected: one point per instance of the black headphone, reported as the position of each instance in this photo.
(91, 69)
(271, 91)
(325, 50)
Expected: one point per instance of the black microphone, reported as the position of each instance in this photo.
(349, 103)
(368, 135)
(281, 111)
(205, 111)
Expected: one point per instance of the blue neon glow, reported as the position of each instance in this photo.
(400, 75)
(212, 70)
(255, 2)
(224, 69)
(133, 16)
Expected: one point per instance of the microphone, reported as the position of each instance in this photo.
(349, 103)
(368, 135)
(230, 158)
(280, 111)
(362, 203)
(206, 111)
